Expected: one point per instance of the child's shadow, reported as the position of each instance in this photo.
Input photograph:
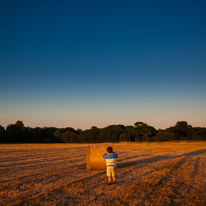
(159, 158)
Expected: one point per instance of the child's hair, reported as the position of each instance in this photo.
(109, 149)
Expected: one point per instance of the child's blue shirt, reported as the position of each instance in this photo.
(110, 158)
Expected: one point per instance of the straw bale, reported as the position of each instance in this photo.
(95, 161)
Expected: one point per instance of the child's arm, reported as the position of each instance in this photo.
(115, 155)
(110, 156)
(105, 156)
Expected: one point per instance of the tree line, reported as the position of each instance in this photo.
(140, 132)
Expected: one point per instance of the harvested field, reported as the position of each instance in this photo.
(148, 174)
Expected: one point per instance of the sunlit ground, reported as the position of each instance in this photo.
(147, 174)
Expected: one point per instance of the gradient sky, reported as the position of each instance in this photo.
(96, 63)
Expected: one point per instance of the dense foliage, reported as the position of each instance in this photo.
(18, 133)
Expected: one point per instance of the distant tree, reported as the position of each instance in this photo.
(128, 134)
(69, 136)
(79, 131)
(181, 130)
(114, 133)
(16, 132)
(84, 136)
(19, 124)
(139, 124)
(2, 130)
(124, 137)
(33, 135)
(47, 134)
(94, 134)
(11, 133)
(163, 135)
(57, 135)
(78, 138)
(143, 132)
(2, 134)
(199, 133)
(111, 133)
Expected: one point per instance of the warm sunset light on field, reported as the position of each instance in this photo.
(147, 174)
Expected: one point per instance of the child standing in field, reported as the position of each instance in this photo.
(110, 156)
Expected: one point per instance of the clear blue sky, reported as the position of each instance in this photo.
(96, 63)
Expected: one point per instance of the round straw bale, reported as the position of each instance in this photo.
(95, 161)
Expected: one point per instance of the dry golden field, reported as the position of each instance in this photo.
(147, 174)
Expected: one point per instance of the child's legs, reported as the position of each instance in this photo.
(113, 173)
(109, 173)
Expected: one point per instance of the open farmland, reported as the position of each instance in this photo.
(147, 174)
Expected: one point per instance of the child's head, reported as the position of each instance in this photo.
(109, 149)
